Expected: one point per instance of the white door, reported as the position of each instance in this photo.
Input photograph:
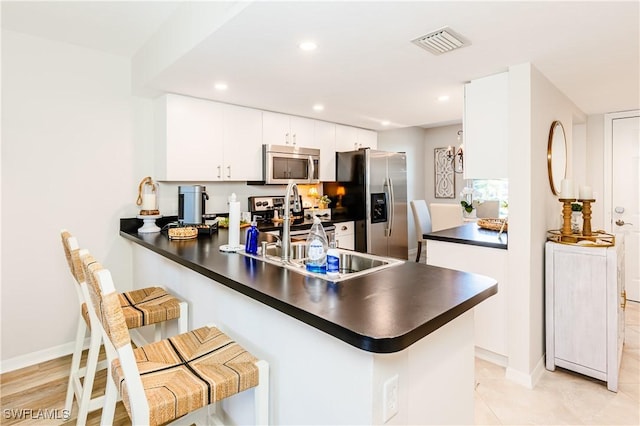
(625, 188)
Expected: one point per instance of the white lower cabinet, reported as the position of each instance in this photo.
(490, 316)
(584, 305)
(345, 235)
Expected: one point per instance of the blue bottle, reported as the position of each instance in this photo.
(251, 243)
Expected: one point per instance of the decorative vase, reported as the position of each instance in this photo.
(469, 215)
(576, 218)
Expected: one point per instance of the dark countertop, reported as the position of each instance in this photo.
(382, 312)
(471, 234)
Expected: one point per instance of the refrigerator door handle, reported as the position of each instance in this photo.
(392, 209)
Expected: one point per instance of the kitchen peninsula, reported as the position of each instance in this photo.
(353, 352)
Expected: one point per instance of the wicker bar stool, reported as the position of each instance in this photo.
(147, 306)
(167, 380)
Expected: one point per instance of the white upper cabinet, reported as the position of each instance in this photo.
(242, 150)
(282, 129)
(485, 123)
(324, 139)
(200, 140)
(353, 138)
(188, 138)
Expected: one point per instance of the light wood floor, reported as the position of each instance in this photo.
(44, 387)
(561, 397)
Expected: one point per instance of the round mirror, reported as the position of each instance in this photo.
(556, 156)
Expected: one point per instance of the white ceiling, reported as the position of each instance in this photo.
(365, 68)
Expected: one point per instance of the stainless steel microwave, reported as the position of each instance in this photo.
(285, 163)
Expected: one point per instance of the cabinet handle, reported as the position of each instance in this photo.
(228, 171)
(286, 138)
(623, 305)
(344, 228)
(219, 172)
(294, 138)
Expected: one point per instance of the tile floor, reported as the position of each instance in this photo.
(564, 397)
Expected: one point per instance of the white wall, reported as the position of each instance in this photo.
(440, 137)
(72, 156)
(411, 141)
(534, 103)
(595, 166)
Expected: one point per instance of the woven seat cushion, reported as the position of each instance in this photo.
(146, 306)
(189, 371)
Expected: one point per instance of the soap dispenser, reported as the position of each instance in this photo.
(317, 248)
(251, 243)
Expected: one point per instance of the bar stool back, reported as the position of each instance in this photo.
(147, 306)
(166, 380)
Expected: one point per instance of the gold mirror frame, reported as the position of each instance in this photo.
(556, 156)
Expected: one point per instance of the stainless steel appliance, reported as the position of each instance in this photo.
(375, 195)
(191, 204)
(264, 208)
(285, 163)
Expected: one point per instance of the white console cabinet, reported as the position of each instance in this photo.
(584, 301)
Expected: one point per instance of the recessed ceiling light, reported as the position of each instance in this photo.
(443, 98)
(318, 107)
(220, 86)
(307, 45)
(385, 122)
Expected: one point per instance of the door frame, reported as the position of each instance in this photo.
(608, 163)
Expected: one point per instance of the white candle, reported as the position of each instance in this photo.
(148, 201)
(585, 193)
(566, 190)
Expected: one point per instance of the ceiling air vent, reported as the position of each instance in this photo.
(441, 41)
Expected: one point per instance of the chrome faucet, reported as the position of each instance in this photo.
(286, 223)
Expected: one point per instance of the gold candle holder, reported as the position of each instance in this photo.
(586, 216)
(566, 216)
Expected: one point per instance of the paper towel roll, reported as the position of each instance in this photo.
(234, 221)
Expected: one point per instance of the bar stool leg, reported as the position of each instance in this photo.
(110, 399)
(262, 394)
(84, 401)
(183, 320)
(74, 378)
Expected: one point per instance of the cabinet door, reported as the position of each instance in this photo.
(345, 235)
(302, 131)
(276, 129)
(325, 140)
(367, 139)
(192, 143)
(490, 316)
(346, 138)
(242, 151)
(485, 123)
(580, 313)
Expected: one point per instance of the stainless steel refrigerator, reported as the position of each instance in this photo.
(375, 185)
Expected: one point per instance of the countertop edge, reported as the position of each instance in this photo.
(363, 342)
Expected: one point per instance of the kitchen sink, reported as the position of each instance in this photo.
(352, 264)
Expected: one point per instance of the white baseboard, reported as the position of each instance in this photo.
(37, 357)
(527, 380)
(492, 357)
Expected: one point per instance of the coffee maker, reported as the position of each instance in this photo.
(191, 202)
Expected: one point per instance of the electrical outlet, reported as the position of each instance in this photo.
(390, 398)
